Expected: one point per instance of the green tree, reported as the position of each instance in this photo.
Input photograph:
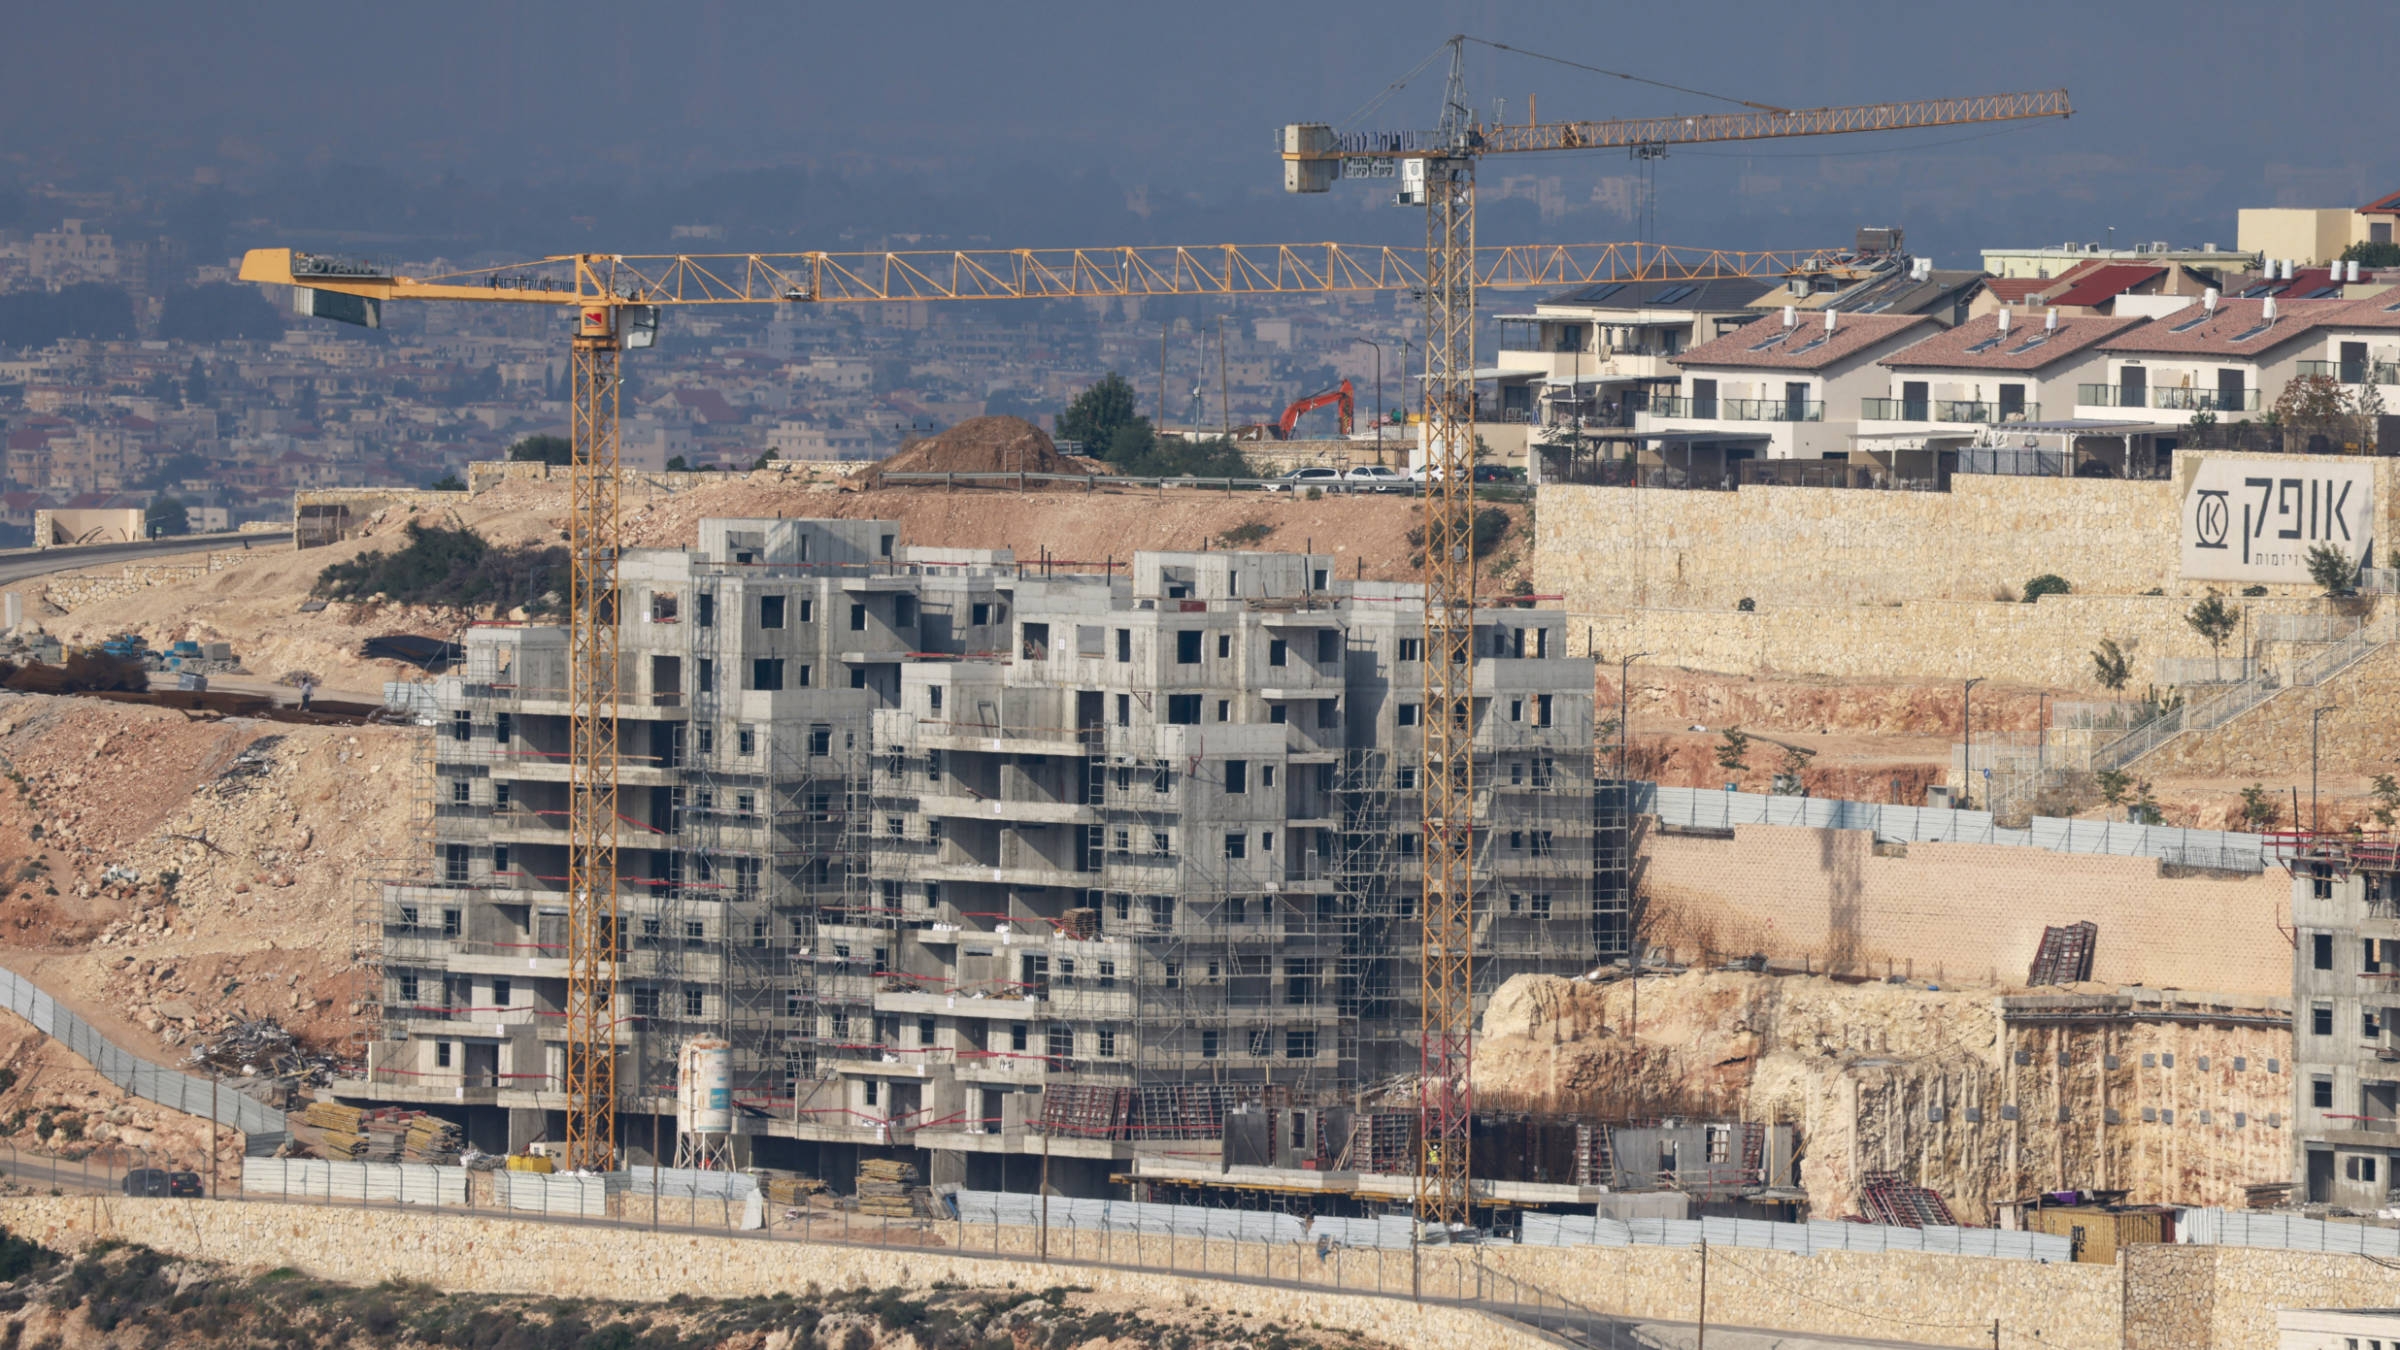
(2145, 806)
(195, 385)
(448, 482)
(763, 460)
(2333, 570)
(2111, 666)
(167, 515)
(2048, 583)
(2114, 784)
(2368, 253)
(2213, 620)
(1098, 417)
(555, 451)
(2260, 810)
(678, 465)
(2387, 799)
(1733, 752)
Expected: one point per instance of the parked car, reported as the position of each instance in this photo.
(185, 1183)
(1301, 479)
(1484, 473)
(147, 1181)
(1374, 478)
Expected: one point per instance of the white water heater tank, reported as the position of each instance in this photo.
(704, 1087)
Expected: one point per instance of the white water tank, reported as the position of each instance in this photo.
(704, 1087)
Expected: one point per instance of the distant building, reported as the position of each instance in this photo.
(2053, 261)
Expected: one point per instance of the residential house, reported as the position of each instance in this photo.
(1594, 355)
(2002, 370)
(1779, 388)
(2227, 358)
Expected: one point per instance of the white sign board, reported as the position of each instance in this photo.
(2257, 519)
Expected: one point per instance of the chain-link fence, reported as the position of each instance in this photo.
(1461, 1275)
(263, 1128)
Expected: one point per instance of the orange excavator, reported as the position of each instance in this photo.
(1338, 396)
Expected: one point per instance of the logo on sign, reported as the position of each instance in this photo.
(2211, 519)
(2257, 519)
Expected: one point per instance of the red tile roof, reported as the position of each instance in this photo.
(2103, 284)
(2375, 311)
(2028, 346)
(2013, 290)
(1808, 347)
(2234, 330)
(2386, 205)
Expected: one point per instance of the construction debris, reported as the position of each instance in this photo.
(2065, 956)
(1888, 1199)
(264, 1055)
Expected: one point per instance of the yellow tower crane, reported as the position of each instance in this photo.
(616, 300)
(1437, 170)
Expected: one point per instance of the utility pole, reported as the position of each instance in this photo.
(1378, 394)
(1700, 1340)
(1624, 665)
(1224, 385)
(2316, 819)
(1966, 724)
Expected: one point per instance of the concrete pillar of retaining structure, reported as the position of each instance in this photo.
(525, 1125)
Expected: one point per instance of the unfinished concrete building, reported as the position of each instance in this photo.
(988, 865)
(2346, 1024)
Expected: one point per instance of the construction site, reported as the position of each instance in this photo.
(993, 837)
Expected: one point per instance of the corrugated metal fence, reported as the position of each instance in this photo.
(1804, 1239)
(2288, 1232)
(1699, 808)
(358, 1183)
(263, 1127)
(1127, 1216)
(731, 1193)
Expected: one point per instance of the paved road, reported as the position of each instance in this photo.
(23, 564)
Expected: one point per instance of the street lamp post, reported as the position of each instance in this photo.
(1966, 724)
(2316, 819)
(1624, 663)
(1378, 393)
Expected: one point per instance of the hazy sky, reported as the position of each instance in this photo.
(1088, 123)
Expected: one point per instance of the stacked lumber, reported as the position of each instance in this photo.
(795, 1190)
(333, 1116)
(431, 1139)
(344, 1146)
(884, 1187)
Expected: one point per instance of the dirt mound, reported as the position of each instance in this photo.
(977, 445)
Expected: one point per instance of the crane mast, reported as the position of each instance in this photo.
(593, 933)
(1437, 170)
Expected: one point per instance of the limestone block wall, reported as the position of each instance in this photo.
(1963, 910)
(1889, 584)
(74, 591)
(2047, 643)
(2225, 1298)
(2271, 741)
(2159, 1298)
(495, 1255)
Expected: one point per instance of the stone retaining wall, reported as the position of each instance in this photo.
(74, 591)
(1877, 585)
(2160, 1298)
(480, 1255)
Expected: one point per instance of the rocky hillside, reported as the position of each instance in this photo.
(121, 1296)
(1858, 1067)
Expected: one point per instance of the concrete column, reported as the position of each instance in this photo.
(525, 1124)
